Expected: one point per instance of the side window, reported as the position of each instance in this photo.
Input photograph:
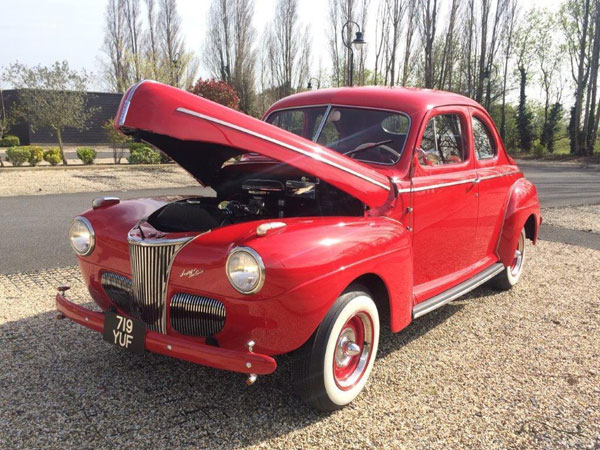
(443, 141)
(484, 143)
(330, 135)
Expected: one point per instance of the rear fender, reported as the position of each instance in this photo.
(522, 205)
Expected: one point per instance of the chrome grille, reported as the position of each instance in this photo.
(196, 316)
(119, 289)
(150, 265)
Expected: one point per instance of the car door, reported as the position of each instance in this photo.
(444, 189)
(494, 184)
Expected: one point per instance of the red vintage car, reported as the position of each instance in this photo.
(341, 211)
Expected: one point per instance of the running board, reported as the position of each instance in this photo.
(453, 293)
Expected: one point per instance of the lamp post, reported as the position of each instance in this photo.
(309, 85)
(358, 41)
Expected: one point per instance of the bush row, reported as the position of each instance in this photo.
(33, 154)
(9, 141)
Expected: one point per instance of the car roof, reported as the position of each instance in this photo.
(409, 100)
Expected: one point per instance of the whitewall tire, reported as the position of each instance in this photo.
(332, 368)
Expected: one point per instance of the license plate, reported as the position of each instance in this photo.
(124, 332)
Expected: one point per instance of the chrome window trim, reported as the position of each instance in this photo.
(322, 124)
(283, 144)
(259, 262)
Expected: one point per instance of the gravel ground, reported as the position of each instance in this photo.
(61, 180)
(583, 218)
(493, 370)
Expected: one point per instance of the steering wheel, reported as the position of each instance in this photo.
(367, 145)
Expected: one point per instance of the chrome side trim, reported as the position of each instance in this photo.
(283, 144)
(455, 183)
(453, 293)
(498, 175)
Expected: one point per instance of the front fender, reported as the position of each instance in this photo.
(522, 204)
(309, 263)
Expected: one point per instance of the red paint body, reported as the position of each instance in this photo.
(425, 229)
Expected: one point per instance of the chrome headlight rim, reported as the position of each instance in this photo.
(90, 229)
(261, 269)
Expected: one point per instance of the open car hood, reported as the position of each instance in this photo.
(201, 135)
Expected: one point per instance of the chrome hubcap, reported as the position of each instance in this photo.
(346, 348)
(518, 258)
(353, 350)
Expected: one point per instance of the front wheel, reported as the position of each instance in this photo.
(512, 274)
(332, 368)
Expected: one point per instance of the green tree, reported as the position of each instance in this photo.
(118, 141)
(524, 50)
(53, 97)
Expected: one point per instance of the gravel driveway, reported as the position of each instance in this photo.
(62, 180)
(492, 370)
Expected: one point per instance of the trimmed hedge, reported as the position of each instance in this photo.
(36, 155)
(86, 154)
(142, 154)
(17, 155)
(10, 141)
(52, 155)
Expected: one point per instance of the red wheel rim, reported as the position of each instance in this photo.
(353, 350)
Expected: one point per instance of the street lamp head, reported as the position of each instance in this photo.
(175, 58)
(358, 40)
(309, 85)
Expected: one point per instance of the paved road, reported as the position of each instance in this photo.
(564, 185)
(34, 227)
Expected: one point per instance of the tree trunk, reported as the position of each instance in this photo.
(574, 130)
(60, 146)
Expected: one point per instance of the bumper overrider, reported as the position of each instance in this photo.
(235, 361)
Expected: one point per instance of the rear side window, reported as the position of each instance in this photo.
(485, 147)
(443, 141)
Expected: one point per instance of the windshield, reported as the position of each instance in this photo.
(368, 135)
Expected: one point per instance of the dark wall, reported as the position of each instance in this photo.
(106, 103)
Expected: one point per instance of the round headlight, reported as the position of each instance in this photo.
(245, 270)
(81, 235)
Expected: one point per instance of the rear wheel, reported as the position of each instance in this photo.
(332, 368)
(511, 275)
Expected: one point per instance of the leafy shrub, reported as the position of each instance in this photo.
(118, 141)
(142, 154)
(52, 155)
(86, 154)
(217, 91)
(36, 154)
(539, 150)
(9, 141)
(17, 155)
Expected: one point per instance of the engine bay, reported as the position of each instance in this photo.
(251, 196)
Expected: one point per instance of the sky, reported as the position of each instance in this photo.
(45, 31)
